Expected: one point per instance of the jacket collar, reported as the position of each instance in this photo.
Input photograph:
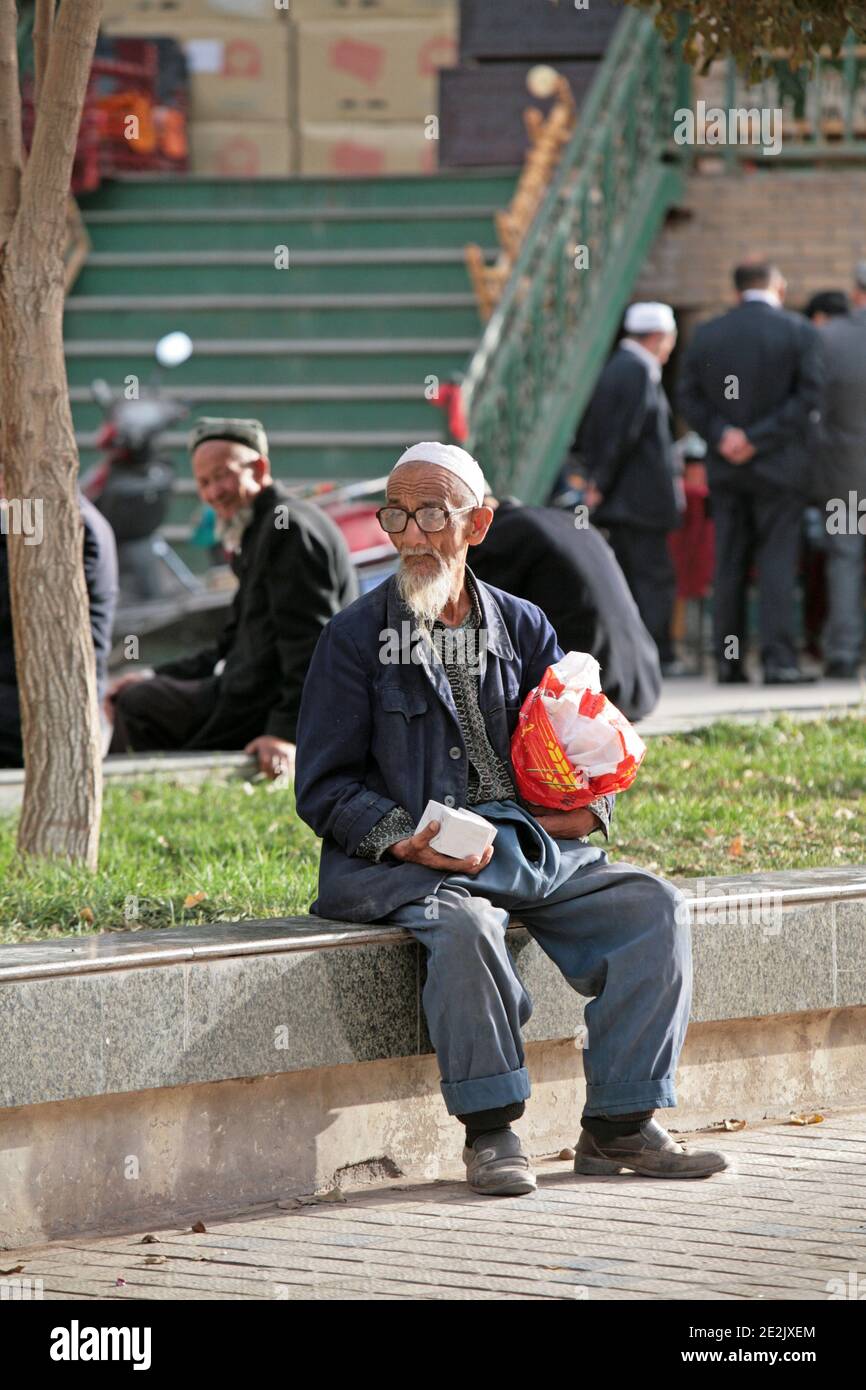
(497, 639)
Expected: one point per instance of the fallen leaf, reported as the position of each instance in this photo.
(161, 840)
(805, 1119)
(843, 813)
(149, 1240)
(193, 899)
(734, 1124)
(17, 1270)
(735, 848)
(86, 914)
(154, 1259)
(710, 831)
(200, 1228)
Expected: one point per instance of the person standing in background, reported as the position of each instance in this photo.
(635, 493)
(842, 473)
(751, 385)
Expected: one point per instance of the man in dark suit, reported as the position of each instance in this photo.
(626, 445)
(751, 386)
(841, 479)
(99, 557)
(294, 573)
(540, 554)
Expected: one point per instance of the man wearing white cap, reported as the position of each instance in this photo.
(412, 695)
(627, 449)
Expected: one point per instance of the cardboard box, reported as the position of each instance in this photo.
(357, 150)
(183, 10)
(236, 72)
(253, 149)
(372, 69)
(370, 9)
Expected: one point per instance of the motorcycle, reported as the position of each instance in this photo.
(132, 486)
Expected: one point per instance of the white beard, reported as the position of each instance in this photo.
(424, 593)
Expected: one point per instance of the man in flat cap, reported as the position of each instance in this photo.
(751, 385)
(294, 573)
(626, 444)
(431, 670)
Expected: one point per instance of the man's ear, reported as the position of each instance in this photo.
(261, 469)
(480, 524)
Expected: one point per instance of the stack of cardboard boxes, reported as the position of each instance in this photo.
(367, 83)
(306, 86)
(239, 57)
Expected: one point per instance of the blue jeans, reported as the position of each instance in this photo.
(619, 934)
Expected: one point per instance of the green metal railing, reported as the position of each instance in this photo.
(823, 108)
(537, 363)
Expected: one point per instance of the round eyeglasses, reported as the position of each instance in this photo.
(396, 519)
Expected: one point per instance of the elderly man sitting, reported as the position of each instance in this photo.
(413, 693)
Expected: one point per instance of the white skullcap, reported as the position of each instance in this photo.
(452, 458)
(650, 318)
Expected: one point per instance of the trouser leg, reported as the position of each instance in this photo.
(11, 753)
(778, 526)
(473, 999)
(622, 935)
(843, 633)
(733, 546)
(649, 572)
(162, 713)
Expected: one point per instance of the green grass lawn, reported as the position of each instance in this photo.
(727, 799)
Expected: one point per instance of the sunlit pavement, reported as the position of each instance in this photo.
(787, 1220)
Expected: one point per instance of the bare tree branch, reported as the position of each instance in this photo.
(10, 119)
(42, 26)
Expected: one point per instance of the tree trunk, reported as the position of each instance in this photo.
(54, 655)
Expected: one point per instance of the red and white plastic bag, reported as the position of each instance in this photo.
(571, 744)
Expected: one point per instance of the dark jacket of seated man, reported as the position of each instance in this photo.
(100, 576)
(375, 735)
(294, 573)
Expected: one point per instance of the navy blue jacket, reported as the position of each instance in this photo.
(374, 734)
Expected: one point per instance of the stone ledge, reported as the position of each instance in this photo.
(120, 1014)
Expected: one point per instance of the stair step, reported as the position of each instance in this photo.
(305, 365)
(491, 186)
(307, 316)
(110, 274)
(348, 229)
(413, 413)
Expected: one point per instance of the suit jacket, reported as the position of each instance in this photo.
(292, 578)
(842, 433)
(627, 448)
(373, 735)
(572, 574)
(775, 358)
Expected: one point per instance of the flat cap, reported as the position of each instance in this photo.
(249, 432)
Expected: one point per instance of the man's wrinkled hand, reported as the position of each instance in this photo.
(565, 825)
(415, 849)
(276, 757)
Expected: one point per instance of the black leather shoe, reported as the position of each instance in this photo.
(728, 674)
(842, 670)
(786, 675)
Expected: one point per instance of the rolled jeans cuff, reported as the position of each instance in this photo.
(486, 1092)
(620, 1098)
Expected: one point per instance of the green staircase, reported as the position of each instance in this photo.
(333, 353)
